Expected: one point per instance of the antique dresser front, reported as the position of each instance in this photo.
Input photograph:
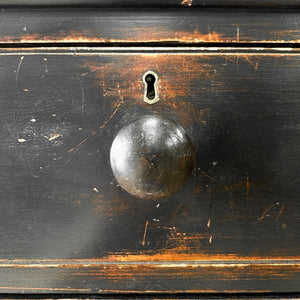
(149, 148)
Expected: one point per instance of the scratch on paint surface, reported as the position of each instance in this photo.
(280, 212)
(82, 95)
(254, 65)
(264, 215)
(67, 161)
(19, 67)
(248, 186)
(76, 147)
(209, 177)
(145, 233)
(113, 113)
(53, 137)
(208, 223)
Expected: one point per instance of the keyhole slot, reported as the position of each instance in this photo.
(150, 80)
(151, 91)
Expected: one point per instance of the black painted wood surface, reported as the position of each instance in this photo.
(256, 28)
(153, 3)
(72, 77)
(65, 223)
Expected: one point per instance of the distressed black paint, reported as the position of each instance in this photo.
(57, 182)
(158, 25)
(66, 225)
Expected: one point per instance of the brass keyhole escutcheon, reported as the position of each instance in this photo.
(152, 157)
(150, 80)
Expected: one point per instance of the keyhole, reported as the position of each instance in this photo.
(150, 80)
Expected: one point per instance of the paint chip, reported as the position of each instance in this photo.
(158, 205)
(208, 223)
(53, 137)
(96, 190)
(187, 2)
(215, 163)
(33, 120)
(21, 140)
(210, 239)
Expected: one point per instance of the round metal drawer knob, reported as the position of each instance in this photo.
(152, 158)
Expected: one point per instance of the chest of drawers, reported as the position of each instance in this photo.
(225, 80)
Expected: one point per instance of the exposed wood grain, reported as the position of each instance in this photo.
(107, 278)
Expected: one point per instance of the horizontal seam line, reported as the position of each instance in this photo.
(159, 44)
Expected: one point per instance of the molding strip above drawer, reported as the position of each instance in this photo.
(153, 3)
(151, 26)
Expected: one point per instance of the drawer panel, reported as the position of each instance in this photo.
(63, 215)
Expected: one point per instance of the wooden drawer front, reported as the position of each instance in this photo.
(66, 224)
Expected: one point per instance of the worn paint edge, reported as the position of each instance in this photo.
(44, 289)
(152, 54)
(248, 260)
(144, 50)
(18, 40)
(150, 265)
(152, 48)
(111, 291)
(154, 264)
